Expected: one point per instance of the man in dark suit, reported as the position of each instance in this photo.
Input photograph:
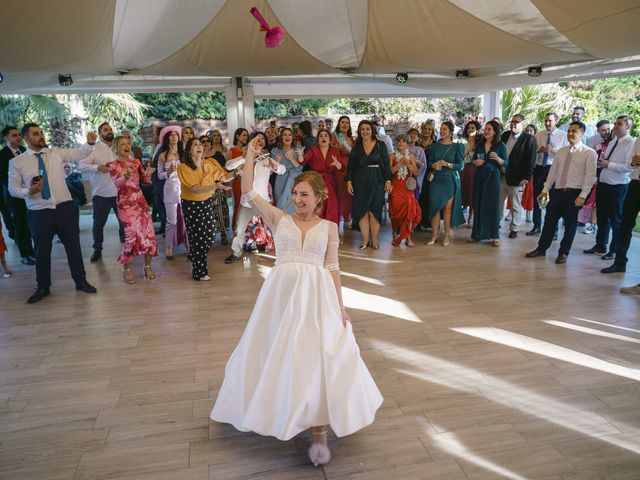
(522, 158)
(16, 207)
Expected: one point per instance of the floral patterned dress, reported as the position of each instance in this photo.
(133, 211)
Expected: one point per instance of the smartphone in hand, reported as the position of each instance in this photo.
(37, 178)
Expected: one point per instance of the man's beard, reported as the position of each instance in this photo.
(108, 137)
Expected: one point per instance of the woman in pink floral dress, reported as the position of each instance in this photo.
(133, 211)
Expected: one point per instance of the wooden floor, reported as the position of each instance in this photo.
(491, 366)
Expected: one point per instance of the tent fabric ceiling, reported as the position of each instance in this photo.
(164, 45)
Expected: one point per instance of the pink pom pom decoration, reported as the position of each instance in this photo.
(274, 36)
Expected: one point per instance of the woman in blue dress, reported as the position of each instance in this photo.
(489, 157)
(291, 159)
(446, 159)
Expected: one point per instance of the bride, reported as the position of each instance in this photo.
(297, 365)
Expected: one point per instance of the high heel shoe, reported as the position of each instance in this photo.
(376, 246)
(6, 273)
(319, 453)
(447, 241)
(128, 276)
(168, 253)
(432, 241)
(364, 246)
(409, 243)
(149, 274)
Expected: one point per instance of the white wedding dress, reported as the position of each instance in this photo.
(296, 365)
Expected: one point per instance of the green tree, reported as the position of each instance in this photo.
(535, 101)
(184, 105)
(619, 96)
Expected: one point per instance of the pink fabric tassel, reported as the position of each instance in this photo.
(274, 36)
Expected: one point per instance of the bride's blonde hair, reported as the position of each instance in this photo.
(314, 179)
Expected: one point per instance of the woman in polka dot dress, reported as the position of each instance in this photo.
(199, 179)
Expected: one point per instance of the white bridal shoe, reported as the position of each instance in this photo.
(319, 453)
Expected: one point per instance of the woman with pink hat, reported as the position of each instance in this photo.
(170, 154)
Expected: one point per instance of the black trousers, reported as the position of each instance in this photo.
(630, 212)
(158, 199)
(102, 206)
(539, 177)
(22, 234)
(63, 221)
(609, 202)
(7, 218)
(561, 205)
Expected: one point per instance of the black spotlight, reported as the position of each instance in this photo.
(402, 77)
(535, 71)
(462, 74)
(65, 80)
(1, 77)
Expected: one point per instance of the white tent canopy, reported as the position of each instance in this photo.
(332, 48)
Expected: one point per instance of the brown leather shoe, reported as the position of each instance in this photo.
(561, 258)
(534, 253)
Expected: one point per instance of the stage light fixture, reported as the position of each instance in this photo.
(535, 71)
(402, 77)
(1, 77)
(65, 80)
(462, 74)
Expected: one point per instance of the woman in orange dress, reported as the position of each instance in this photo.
(240, 139)
(404, 209)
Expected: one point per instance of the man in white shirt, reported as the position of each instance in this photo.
(571, 176)
(578, 116)
(612, 187)
(102, 188)
(549, 141)
(381, 134)
(38, 176)
(261, 173)
(630, 211)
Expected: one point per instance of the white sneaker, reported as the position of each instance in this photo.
(588, 228)
(635, 290)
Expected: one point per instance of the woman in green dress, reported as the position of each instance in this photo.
(446, 159)
(489, 156)
(368, 179)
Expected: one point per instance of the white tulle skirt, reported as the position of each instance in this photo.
(296, 366)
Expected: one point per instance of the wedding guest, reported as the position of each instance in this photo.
(199, 179)
(470, 138)
(168, 161)
(133, 210)
(404, 209)
(612, 187)
(272, 138)
(187, 134)
(240, 139)
(37, 176)
(446, 159)
(528, 200)
(14, 210)
(306, 135)
(489, 156)
(217, 144)
(569, 181)
(220, 206)
(548, 142)
(630, 211)
(325, 159)
(521, 148)
(103, 189)
(6, 273)
(427, 140)
(291, 159)
(344, 142)
(368, 179)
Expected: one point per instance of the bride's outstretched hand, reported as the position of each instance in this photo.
(345, 318)
(255, 146)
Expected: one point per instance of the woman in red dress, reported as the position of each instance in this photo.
(240, 139)
(404, 209)
(325, 159)
(133, 211)
(343, 141)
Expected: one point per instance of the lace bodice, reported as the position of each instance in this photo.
(319, 246)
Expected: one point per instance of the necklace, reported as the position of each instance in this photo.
(305, 219)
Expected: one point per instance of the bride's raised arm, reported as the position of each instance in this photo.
(268, 212)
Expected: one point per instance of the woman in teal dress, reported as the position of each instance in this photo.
(489, 156)
(446, 159)
(368, 179)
